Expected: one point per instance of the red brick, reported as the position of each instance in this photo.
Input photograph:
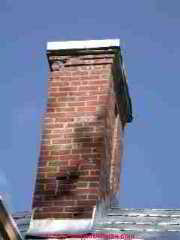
(94, 172)
(78, 209)
(92, 196)
(52, 209)
(76, 104)
(82, 215)
(87, 202)
(92, 178)
(61, 141)
(64, 203)
(60, 84)
(87, 109)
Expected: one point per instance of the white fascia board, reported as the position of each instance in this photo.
(87, 44)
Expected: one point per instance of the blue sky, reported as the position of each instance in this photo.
(150, 37)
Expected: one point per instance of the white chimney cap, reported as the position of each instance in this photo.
(87, 44)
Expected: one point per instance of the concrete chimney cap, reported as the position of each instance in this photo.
(87, 44)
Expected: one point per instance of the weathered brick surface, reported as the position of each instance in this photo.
(81, 141)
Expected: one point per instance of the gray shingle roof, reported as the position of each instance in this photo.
(22, 220)
(142, 223)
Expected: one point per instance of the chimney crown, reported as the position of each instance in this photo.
(86, 44)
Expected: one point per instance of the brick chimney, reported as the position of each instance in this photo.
(82, 143)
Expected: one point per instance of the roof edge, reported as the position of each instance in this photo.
(9, 227)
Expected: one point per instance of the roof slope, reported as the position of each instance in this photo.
(142, 223)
